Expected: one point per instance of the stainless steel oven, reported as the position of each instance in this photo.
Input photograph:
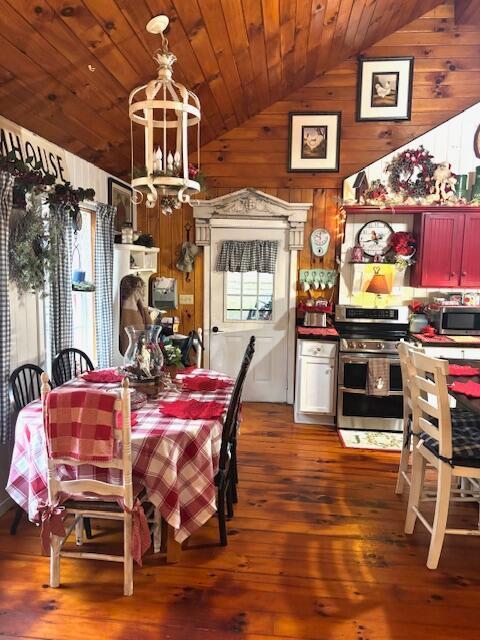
(358, 410)
(366, 334)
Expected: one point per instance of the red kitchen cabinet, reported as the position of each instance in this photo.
(448, 244)
(448, 252)
(470, 270)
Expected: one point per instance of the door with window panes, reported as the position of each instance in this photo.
(246, 304)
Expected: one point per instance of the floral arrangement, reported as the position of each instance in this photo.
(403, 243)
(172, 355)
(402, 248)
(376, 191)
(411, 173)
(416, 307)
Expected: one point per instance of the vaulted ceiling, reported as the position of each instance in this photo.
(67, 67)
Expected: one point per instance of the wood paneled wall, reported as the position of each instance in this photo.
(446, 81)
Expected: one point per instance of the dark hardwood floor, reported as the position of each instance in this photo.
(316, 551)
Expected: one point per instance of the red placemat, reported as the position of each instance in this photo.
(204, 383)
(470, 388)
(463, 370)
(317, 331)
(424, 338)
(192, 409)
(102, 376)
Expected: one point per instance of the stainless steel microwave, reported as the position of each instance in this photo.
(456, 321)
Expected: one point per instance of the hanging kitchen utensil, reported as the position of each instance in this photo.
(188, 254)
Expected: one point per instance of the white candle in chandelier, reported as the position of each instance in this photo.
(157, 160)
(169, 161)
(176, 160)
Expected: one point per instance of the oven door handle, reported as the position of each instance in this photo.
(363, 392)
(364, 360)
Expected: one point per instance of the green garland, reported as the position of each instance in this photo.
(31, 255)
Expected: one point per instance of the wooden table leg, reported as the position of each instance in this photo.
(174, 548)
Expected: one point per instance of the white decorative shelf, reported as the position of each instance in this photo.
(145, 264)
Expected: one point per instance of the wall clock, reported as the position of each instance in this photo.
(374, 237)
(320, 240)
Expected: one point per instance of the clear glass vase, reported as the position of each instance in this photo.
(143, 359)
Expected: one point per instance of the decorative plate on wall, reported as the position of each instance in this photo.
(320, 241)
(374, 237)
(476, 142)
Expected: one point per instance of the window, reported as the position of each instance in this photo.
(83, 302)
(248, 296)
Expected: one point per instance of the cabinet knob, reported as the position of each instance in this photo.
(453, 274)
(464, 273)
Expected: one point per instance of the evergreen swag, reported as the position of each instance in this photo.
(31, 251)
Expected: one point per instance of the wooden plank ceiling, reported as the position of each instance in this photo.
(67, 67)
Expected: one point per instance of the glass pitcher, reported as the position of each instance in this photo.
(143, 359)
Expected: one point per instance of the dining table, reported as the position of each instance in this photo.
(462, 400)
(174, 460)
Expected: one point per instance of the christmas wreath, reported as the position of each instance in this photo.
(411, 172)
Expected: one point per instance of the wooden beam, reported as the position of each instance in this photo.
(467, 12)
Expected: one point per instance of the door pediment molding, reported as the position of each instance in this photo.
(253, 205)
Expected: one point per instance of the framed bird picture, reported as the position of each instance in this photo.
(384, 88)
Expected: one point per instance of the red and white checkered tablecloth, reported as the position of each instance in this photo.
(175, 460)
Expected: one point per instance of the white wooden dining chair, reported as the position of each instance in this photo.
(103, 503)
(408, 370)
(449, 441)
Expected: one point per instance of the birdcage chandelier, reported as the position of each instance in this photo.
(164, 121)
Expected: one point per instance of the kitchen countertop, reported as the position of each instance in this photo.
(318, 333)
(446, 341)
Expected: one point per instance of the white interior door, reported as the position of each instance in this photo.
(246, 304)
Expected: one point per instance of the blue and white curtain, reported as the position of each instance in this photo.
(248, 255)
(60, 281)
(104, 234)
(6, 199)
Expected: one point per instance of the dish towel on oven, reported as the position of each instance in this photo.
(378, 379)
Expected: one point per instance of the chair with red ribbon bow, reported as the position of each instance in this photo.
(93, 498)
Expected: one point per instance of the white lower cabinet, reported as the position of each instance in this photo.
(454, 353)
(316, 382)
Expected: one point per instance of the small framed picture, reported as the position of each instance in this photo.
(314, 141)
(120, 196)
(384, 88)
